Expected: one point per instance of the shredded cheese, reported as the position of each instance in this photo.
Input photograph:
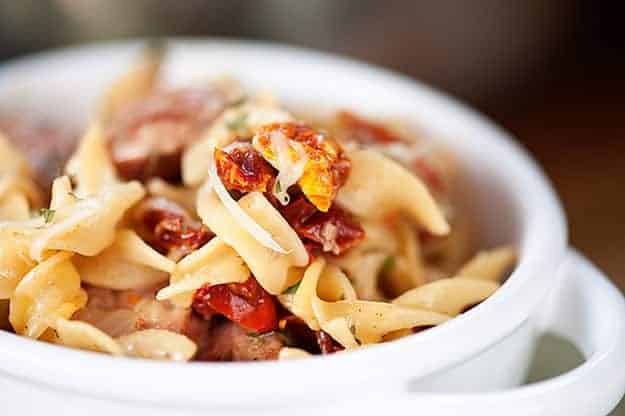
(252, 227)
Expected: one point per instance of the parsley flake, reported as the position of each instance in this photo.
(292, 289)
(237, 123)
(388, 265)
(47, 214)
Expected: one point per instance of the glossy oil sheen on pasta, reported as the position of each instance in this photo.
(202, 223)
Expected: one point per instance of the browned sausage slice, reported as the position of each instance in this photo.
(147, 137)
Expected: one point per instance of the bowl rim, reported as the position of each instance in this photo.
(544, 244)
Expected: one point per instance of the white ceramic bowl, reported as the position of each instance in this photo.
(485, 349)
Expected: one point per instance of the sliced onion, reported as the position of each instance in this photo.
(252, 227)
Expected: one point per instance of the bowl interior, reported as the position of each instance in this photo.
(508, 195)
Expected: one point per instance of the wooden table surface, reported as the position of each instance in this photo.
(577, 133)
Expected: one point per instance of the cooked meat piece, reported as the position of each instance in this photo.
(122, 312)
(153, 314)
(47, 147)
(148, 136)
(228, 341)
(114, 322)
(168, 228)
(247, 304)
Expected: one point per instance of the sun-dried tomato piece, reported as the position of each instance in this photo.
(365, 131)
(247, 304)
(327, 344)
(244, 169)
(326, 168)
(298, 212)
(299, 334)
(148, 136)
(227, 341)
(334, 231)
(168, 228)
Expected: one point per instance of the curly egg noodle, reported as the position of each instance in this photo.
(352, 245)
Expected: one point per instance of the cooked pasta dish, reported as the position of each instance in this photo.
(208, 223)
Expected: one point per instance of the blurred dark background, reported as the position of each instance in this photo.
(550, 71)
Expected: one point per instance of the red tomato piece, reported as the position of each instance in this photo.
(366, 131)
(247, 304)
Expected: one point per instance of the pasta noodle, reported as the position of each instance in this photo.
(366, 320)
(158, 344)
(91, 167)
(83, 336)
(489, 265)
(448, 296)
(15, 207)
(287, 353)
(134, 84)
(365, 269)
(14, 261)
(199, 224)
(49, 291)
(270, 268)
(18, 191)
(11, 160)
(388, 256)
(377, 186)
(476, 281)
(129, 263)
(215, 263)
(76, 221)
(372, 320)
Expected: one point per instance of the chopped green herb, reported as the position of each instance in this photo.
(388, 265)
(238, 123)
(47, 214)
(278, 186)
(292, 289)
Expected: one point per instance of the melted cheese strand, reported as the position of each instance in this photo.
(253, 228)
